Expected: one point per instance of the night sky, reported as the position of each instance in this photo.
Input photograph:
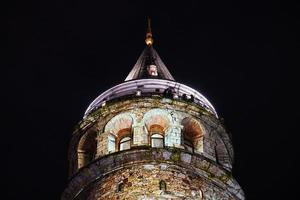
(60, 55)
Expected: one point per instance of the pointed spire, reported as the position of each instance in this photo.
(149, 39)
(149, 64)
(149, 60)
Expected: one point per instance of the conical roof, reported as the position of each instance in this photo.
(149, 65)
(150, 75)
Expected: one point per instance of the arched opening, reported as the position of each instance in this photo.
(86, 149)
(118, 131)
(158, 117)
(118, 123)
(157, 136)
(157, 121)
(162, 185)
(222, 155)
(125, 139)
(192, 135)
(120, 187)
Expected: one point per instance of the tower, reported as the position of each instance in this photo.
(151, 137)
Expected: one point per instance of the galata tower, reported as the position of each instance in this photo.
(151, 137)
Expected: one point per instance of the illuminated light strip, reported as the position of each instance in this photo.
(149, 86)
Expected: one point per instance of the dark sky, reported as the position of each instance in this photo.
(60, 55)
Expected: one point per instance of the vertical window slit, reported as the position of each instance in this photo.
(162, 185)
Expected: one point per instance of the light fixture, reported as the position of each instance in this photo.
(138, 93)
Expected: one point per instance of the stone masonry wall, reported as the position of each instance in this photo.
(135, 109)
(195, 173)
(145, 182)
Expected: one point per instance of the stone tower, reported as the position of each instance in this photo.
(151, 137)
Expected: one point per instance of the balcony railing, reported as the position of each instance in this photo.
(145, 87)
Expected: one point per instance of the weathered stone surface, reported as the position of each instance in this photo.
(141, 183)
(194, 160)
(144, 168)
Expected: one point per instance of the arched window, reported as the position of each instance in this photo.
(162, 185)
(86, 149)
(120, 187)
(192, 135)
(125, 143)
(157, 140)
(152, 70)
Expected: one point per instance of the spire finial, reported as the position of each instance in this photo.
(149, 39)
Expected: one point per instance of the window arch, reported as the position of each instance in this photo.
(118, 131)
(86, 149)
(118, 123)
(192, 135)
(157, 119)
